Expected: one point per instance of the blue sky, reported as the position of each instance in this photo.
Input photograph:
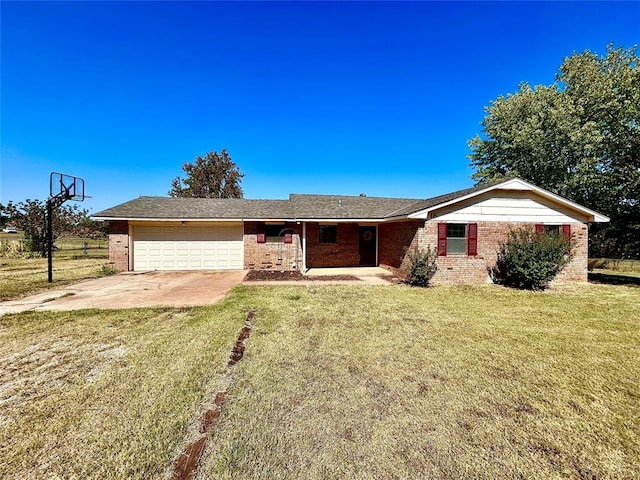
(308, 97)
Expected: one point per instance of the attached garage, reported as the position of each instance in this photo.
(211, 246)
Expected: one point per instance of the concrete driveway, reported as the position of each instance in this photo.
(130, 290)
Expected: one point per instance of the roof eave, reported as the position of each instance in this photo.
(517, 184)
(343, 220)
(164, 219)
(395, 217)
(270, 219)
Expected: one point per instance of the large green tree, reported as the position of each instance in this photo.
(579, 138)
(30, 217)
(213, 176)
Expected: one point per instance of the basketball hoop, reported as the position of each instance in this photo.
(62, 187)
(66, 187)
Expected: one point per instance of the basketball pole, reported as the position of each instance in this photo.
(53, 202)
(50, 240)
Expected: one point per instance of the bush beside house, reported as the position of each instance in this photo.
(530, 260)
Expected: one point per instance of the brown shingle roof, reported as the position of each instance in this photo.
(345, 207)
(433, 201)
(299, 206)
(302, 207)
(158, 208)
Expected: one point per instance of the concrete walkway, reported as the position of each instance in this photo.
(131, 290)
(363, 275)
(368, 275)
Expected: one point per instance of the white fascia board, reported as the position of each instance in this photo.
(397, 217)
(287, 220)
(183, 219)
(342, 220)
(516, 184)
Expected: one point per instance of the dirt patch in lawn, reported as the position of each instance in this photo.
(184, 467)
(294, 275)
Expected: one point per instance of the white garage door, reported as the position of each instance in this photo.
(211, 247)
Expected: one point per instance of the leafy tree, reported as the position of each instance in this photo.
(213, 176)
(5, 219)
(30, 217)
(530, 260)
(87, 228)
(579, 138)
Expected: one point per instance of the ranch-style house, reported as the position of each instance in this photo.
(306, 231)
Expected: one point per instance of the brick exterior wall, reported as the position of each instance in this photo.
(272, 255)
(119, 244)
(394, 239)
(577, 270)
(466, 269)
(343, 253)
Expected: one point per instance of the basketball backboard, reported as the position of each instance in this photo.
(66, 187)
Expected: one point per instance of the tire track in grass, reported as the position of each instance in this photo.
(185, 465)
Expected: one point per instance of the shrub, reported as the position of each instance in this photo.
(35, 244)
(108, 269)
(530, 260)
(12, 248)
(422, 266)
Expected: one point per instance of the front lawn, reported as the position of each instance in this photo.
(449, 382)
(336, 382)
(107, 394)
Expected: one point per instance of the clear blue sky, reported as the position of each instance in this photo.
(335, 98)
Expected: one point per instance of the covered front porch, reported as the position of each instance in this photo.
(340, 244)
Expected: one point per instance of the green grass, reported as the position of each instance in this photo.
(25, 276)
(631, 267)
(107, 394)
(74, 247)
(395, 382)
(337, 382)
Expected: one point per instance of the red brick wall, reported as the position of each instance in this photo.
(343, 253)
(394, 239)
(465, 269)
(271, 255)
(119, 244)
(576, 271)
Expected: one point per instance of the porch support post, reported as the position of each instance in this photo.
(304, 247)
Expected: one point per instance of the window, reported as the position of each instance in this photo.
(272, 232)
(564, 229)
(456, 239)
(328, 234)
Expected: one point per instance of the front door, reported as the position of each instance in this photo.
(367, 246)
